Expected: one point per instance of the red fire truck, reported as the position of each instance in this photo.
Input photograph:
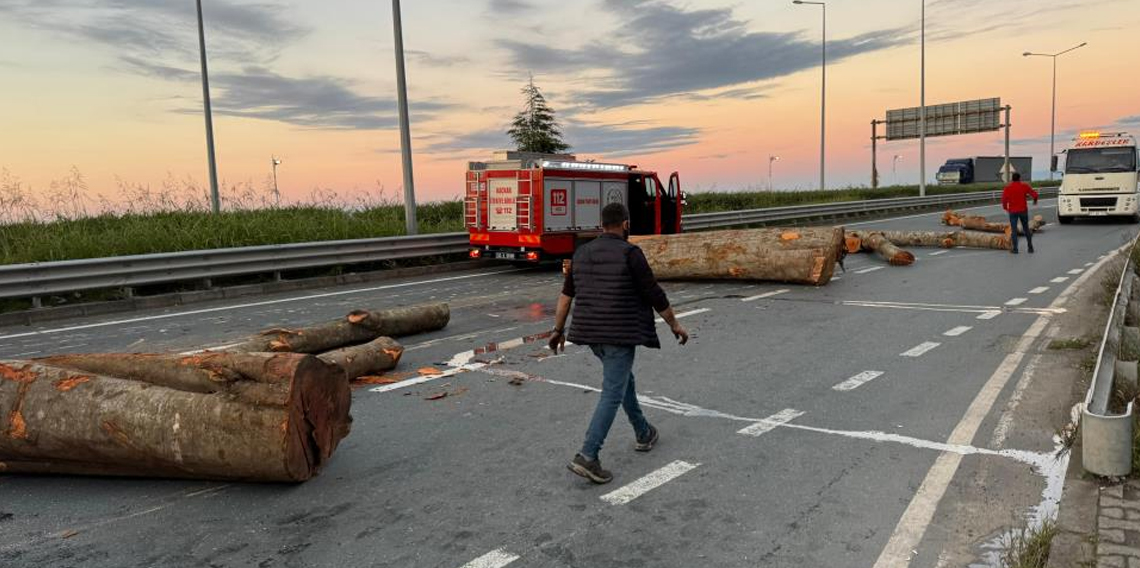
(524, 206)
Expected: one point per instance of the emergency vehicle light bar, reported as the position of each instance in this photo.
(585, 166)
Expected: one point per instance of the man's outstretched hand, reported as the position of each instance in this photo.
(680, 333)
(557, 341)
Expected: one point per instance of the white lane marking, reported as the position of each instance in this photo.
(769, 294)
(872, 269)
(941, 252)
(857, 381)
(215, 348)
(1076, 271)
(945, 307)
(257, 304)
(989, 315)
(25, 354)
(685, 314)
(648, 483)
(920, 349)
(957, 331)
(1059, 279)
(1088, 264)
(494, 559)
(770, 423)
(1039, 290)
(1017, 301)
(919, 513)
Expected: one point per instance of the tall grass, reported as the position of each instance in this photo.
(69, 221)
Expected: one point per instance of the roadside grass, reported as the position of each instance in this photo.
(67, 222)
(1069, 344)
(1029, 547)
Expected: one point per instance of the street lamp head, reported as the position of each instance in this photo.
(1026, 54)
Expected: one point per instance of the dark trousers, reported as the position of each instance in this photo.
(1024, 218)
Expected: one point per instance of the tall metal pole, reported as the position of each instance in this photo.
(922, 112)
(1007, 177)
(215, 197)
(405, 129)
(823, 109)
(1053, 122)
(874, 154)
(276, 191)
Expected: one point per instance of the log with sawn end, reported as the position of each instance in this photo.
(275, 417)
(360, 326)
(360, 360)
(802, 255)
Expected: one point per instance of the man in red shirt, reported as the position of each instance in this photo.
(1013, 200)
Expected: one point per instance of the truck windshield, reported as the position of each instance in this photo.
(1100, 160)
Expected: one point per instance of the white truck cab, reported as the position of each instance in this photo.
(1100, 178)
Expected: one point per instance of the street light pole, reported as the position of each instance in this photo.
(895, 169)
(215, 197)
(276, 191)
(922, 112)
(1053, 120)
(770, 160)
(822, 98)
(405, 128)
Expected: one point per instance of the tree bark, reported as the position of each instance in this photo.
(979, 223)
(360, 360)
(886, 249)
(796, 255)
(360, 326)
(275, 417)
(945, 239)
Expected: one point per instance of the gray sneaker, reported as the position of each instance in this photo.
(590, 469)
(646, 442)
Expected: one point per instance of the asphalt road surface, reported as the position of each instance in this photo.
(800, 427)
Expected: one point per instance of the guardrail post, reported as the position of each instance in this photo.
(128, 292)
(37, 302)
(208, 283)
(277, 276)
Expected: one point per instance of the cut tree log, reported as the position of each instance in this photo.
(943, 239)
(796, 255)
(361, 360)
(360, 326)
(979, 223)
(877, 242)
(274, 417)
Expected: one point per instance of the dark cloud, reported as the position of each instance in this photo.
(435, 60)
(158, 39)
(509, 7)
(613, 140)
(661, 51)
(1129, 120)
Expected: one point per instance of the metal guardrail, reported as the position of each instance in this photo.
(44, 278)
(1106, 437)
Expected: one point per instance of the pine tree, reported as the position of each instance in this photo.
(535, 128)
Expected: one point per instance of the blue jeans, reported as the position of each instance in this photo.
(1024, 218)
(617, 390)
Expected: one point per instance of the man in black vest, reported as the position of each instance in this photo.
(616, 294)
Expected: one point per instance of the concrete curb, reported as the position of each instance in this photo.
(34, 316)
(1075, 543)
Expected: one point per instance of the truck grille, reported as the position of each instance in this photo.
(1101, 189)
(1098, 202)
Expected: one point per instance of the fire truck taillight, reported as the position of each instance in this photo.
(474, 253)
(532, 256)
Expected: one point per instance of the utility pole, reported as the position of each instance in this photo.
(922, 111)
(770, 160)
(405, 128)
(215, 197)
(822, 98)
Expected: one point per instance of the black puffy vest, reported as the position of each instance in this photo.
(608, 310)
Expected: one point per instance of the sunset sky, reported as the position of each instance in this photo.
(707, 87)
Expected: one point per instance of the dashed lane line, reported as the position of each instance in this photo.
(1076, 271)
(683, 315)
(648, 483)
(957, 331)
(920, 349)
(857, 381)
(494, 559)
(767, 294)
(770, 423)
(1060, 279)
(1039, 290)
(989, 315)
(1017, 301)
(938, 253)
(867, 270)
